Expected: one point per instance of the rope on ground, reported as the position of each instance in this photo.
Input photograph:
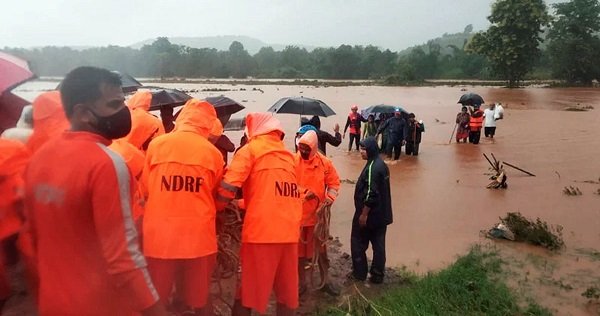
(320, 239)
(229, 237)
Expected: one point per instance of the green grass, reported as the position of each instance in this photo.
(471, 286)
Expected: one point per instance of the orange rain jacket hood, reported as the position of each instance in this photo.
(140, 100)
(262, 123)
(265, 171)
(49, 119)
(216, 130)
(311, 139)
(196, 116)
(144, 126)
(181, 173)
(317, 175)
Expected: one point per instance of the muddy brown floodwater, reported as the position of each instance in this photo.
(439, 198)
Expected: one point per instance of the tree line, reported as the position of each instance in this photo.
(533, 44)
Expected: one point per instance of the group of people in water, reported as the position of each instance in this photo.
(391, 131)
(471, 120)
(114, 211)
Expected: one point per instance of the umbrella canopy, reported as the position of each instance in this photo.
(471, 99)
(11, 107)
(224, 105)
(235, 124)
(168, 97)
(14, 72)
(381, 108)
(302, 106)
(128, 83)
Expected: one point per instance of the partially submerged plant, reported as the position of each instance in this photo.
(592, 292)
(579, 108)
(536, 233)
(571, 190)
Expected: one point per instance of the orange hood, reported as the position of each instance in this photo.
(140, 100)
(311, 139)
(196, 116)
(144, 126)
(261, 124)
(49, 119)
(217, 129)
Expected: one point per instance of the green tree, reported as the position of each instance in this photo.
(161, 57)
(267, 61)
(241, 64)
(511, 42)
(344, 61)
(574, 46)
(294, 61)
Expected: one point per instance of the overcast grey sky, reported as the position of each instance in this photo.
(394, 24)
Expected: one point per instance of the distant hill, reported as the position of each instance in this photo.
(252, 45)
(447, 40)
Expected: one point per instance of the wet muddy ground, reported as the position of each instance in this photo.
(439, 198)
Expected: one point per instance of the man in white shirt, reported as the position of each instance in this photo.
(489, 122)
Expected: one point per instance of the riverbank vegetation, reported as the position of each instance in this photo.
(473, 285)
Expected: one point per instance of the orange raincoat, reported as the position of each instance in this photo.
(49, 119)
(265, 170)
(317, 175)
(13, 160)
(144, 126)
(181, 173)
(14, 157)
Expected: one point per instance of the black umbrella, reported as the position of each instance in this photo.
(235, 124)
(128, 83)
(168, 97)
(302, 106)
(381, 108)
(224, 105)
(471, 99)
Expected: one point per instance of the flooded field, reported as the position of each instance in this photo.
(439, 198)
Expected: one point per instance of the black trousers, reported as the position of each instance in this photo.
(394, 144)
(489, 131)
(353, 137)
(474, 137)
(412, 148)
(359, 243)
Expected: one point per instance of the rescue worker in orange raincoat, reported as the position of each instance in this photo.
(182, 172)
(144, 126)
(49, 122)
(320, 183)
(265, 171)
(14, 157)
(49, 119)
(86, 248)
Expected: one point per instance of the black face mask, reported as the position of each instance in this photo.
(114, 126)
